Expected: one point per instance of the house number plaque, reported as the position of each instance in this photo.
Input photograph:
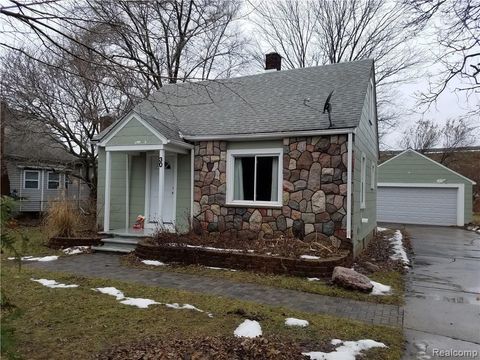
(160, 162)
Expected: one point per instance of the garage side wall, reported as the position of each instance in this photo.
(411, 167)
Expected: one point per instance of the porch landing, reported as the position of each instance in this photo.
(125, 240)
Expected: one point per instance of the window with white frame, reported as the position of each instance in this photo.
(373, 179)
(53, 180)
(31, 179)
(363, 168)
(254, 177)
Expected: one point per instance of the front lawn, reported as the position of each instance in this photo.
(77, 323)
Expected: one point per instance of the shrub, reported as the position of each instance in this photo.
(61, 219)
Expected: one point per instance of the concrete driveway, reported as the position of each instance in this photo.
(442, 309)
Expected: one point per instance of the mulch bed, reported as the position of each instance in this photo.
(211, 348)
(378, 253)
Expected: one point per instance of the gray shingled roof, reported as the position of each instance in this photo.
(26, 142)
(279, 101)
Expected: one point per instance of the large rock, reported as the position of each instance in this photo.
(350, 279)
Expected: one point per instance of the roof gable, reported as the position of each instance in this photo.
(132, 131)
(412, 166)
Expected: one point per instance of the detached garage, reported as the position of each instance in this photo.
(414, 189)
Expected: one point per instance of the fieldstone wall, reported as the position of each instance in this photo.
(314, 192)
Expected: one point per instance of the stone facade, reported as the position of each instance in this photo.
(314, 192)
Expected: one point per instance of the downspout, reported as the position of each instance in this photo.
(192, 175)
(349, 186)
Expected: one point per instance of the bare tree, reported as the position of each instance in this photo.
(457, 25)
(424, 136)
(310, 33)
(65, 99)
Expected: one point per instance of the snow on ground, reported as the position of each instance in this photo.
(111, 291)
(183, 307)
(379, 228)
(399, 252)
(138, 302)
(219, 268)
(296, 322)
(348, 350)
(53, 284)
(249, 329)
(76, 250)
(309, 257)
(153, 262)
(313, 279)
(32, 258)
(214, 248)
(380, 289)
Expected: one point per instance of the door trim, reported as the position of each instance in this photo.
(460, 194)
(148, 170)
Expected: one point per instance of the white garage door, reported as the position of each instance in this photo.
(417, 205)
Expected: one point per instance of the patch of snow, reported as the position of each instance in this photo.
(111, 291)
(379, 228)
(380, 289)
(53, 284)
(296, 322)
(213, 248)
(219, 268)
(31, 258)
(399, 252)
(138, 302)
(153, 262)
(75, 250)
(309, 257)
(313, 279)
(348, 350)
(183, 307)
(249, 329)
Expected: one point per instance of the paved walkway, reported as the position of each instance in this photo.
(108, 266)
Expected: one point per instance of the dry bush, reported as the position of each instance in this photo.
(61, 219)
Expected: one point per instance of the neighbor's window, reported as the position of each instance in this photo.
(254, 177)
(363, 169)
(372, 174)
(31, 179)
(53, 180)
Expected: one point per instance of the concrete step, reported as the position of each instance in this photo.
(121, 240)
(112, 248)
(117, 244)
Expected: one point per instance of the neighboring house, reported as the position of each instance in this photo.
(415, 189)
(253, 156)
(36, 170)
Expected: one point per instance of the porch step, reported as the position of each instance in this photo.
(117, 244)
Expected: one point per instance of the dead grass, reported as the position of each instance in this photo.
(78, 323)
(61, 219)
(476, 219)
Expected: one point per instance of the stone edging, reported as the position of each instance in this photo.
(64, 242)
(241, 260)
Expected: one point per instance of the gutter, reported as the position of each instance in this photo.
(349, 185)
(269, 135)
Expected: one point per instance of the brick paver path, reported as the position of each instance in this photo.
(108, 266)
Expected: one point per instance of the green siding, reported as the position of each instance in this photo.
(117, 192)
(411, 167)
(365, 142)
(184, 192)
(137, 187)
(134, 133)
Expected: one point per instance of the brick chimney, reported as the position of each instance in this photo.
(106, 121)
(273, 61)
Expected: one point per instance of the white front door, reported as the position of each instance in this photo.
(169, 190)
